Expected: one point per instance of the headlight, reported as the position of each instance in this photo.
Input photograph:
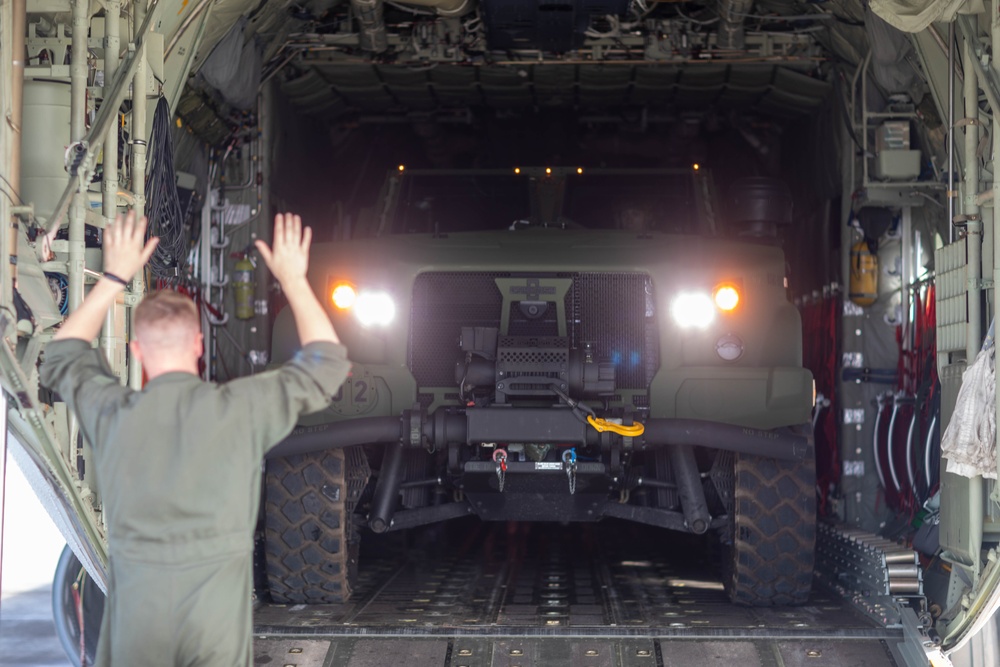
(374, 309)
(693, 310)
(371, 307)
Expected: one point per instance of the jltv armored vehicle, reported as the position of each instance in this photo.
(556, 344)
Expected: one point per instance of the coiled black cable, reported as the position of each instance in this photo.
(163, 207)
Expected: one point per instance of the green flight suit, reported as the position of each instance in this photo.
(178, 465)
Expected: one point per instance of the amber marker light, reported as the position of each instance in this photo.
(548, 171)
(726, 297)
(343, 296)
(696, 166)
(401, 168)
(579, 170)
(517, 170)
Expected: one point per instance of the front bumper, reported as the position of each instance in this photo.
(475, 426)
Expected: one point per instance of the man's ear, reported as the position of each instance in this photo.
(136, 349)
(199, 345)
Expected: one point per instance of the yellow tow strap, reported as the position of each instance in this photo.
(602, 425)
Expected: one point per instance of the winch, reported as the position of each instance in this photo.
(525, 367)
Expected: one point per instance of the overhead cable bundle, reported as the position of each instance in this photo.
(163, 207)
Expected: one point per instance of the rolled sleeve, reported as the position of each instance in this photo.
(304, 384)
(82, 378)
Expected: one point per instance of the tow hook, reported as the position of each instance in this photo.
(500, 459)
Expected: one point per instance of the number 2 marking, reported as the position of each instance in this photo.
(362, 387)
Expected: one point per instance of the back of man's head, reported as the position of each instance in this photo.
(166, 321)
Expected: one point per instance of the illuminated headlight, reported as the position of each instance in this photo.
(693, 310)
(374, 309)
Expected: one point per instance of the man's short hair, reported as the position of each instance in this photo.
(165, 307)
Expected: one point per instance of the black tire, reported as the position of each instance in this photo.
(310, 541)
(69, 571)
(769, 560)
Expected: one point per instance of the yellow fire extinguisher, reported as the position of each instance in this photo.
(863, 288)
(243, 288)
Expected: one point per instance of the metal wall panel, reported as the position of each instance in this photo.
(950, 298)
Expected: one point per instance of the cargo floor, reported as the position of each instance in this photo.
(496, 595)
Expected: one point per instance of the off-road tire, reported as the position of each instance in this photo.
(310, 541)
(769, 560)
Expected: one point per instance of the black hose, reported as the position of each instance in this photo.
(777, 444)
(367, 430)
(444, 427)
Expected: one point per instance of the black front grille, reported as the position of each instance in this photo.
(613, 311)
(443, 303)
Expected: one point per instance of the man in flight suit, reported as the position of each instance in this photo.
(179, 462)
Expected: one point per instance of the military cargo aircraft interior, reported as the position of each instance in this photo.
(670, 324)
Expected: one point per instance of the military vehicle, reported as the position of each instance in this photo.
(556, 320)
(557, 344)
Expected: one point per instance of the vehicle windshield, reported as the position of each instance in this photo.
(630, 200)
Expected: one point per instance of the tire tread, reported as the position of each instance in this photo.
(310, 542)
(773, 532)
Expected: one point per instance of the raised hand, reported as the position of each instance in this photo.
(125, 248)
(288, 258)
(125, 252)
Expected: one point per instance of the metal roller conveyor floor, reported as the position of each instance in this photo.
(608, 594)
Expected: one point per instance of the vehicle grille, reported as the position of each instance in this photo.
(614, 311)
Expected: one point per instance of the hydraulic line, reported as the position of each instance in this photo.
(927, 451)
(875, 448)
(911, 474)
(888, 447)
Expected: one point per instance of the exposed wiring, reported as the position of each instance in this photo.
(792, 17)
(163, 206)
(13, 191)
(928, 198)
(846, 112)
(417, 12)
(695, 21)
(644, 10)
(797, 31)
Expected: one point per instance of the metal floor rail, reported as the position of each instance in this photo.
(541, 594)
